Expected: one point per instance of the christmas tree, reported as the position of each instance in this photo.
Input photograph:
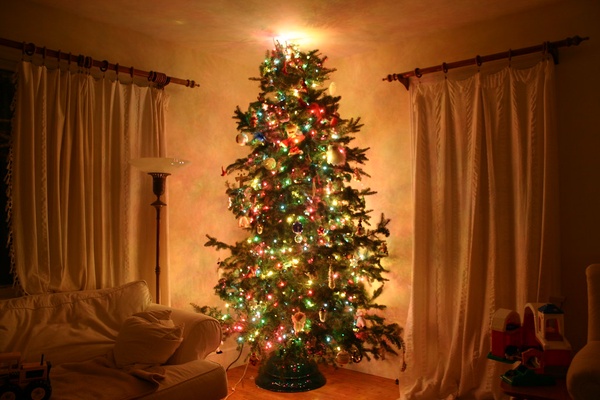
(306, 280)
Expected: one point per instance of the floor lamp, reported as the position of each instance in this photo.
(158, 168)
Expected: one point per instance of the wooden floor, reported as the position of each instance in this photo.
(341, 384)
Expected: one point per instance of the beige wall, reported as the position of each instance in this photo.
(200, 128)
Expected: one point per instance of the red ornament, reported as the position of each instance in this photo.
(253, 120)
(361, 335)
(316, 110)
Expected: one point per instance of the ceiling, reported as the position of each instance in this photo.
(343, 26)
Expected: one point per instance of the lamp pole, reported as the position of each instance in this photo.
(159, 180)
(158, 168)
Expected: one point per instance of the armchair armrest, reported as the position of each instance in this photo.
(583, 376)
(201, 334)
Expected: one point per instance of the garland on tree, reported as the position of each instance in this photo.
(306, 280)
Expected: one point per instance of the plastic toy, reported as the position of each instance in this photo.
(29, 381)
(539, 343)
(523, 376)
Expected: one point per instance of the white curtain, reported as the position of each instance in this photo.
(486, 215)
(78, 211)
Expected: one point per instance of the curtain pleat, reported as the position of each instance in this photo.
(72, 186)
(486, 215)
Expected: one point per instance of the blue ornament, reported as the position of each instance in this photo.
(259, 136)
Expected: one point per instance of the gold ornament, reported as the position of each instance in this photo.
(322, 315)
(342, 357)
(244, 222)
(332, 88)
(299, 320)
(336, 155)
(270, 163)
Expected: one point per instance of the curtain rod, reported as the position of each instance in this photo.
(546, 47)
(82, 61)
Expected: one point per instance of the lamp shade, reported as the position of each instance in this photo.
(158, 164)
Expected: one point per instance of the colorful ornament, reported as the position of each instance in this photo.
(299, 320)
(316, 110)
(342, 357)
(297, 227)
(336, 155)
(334, 121)
(322, 314)
(270, 163)
(356, 355)
(294, 137)
(242, 138)
(360, 231)
(259, 136)
(332, 88)
(360, 319)
(244, 222)
(361, 335)
(283, 116)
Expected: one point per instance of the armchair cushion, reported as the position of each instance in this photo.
(148, 337)
(201, 334)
